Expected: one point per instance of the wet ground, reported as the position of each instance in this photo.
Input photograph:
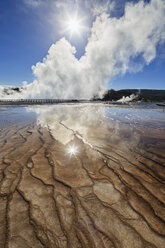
(82, 176)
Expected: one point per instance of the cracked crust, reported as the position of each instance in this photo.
(107, 196)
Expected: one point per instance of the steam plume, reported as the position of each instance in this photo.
(112, 49)
(130, 98)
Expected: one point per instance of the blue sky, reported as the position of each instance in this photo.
(27, 32)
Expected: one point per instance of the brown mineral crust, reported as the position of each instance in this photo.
(110, 195)
(21, 230)
(3, 220)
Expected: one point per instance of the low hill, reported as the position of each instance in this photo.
(143, 95)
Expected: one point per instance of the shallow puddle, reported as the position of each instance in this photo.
(85, 175)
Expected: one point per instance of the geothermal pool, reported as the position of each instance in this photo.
(82, 176)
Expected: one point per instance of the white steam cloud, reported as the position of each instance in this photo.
(126, 99)
(116, 46)
(1, 92)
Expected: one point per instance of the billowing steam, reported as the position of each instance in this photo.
(115, 46)
(1, 92)
(126, 99)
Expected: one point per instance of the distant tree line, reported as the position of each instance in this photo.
(142, 95)
(145, 95)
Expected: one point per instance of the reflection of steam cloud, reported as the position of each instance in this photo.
(88, 123)
(67, 121)
(99, 125)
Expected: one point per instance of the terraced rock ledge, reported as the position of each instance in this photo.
(106, 196)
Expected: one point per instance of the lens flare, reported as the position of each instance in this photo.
(73, 24)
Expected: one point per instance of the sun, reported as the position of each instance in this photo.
(73, 25)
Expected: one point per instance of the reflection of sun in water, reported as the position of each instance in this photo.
(72, 150)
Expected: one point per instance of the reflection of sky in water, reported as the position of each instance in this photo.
(15, 115)
(98, 120)
(153, 117)
(95, 125)
(86, 116)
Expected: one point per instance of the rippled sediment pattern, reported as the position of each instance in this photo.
(107, 193)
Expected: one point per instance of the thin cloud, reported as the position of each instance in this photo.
(33, 3)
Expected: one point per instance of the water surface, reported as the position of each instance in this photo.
(82, 175)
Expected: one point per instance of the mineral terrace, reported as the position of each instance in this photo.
(110, 194)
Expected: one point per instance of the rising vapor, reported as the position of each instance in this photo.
(112, 49)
